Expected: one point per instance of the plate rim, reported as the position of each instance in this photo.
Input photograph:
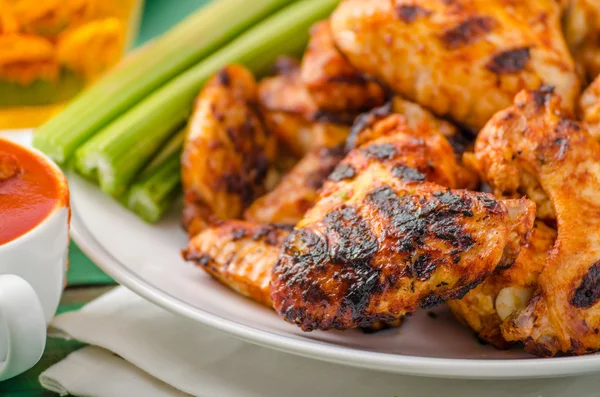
(457, 368)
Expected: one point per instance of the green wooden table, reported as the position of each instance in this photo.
(85, 280)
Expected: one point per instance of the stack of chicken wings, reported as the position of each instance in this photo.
(421, 152)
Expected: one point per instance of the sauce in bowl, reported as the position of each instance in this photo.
(30, 189)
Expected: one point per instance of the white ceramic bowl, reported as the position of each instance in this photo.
(32, 276)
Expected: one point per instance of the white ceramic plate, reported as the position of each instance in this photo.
(146, 259)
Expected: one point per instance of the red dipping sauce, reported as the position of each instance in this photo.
(30, 189)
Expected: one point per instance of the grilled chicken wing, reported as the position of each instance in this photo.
(582, 32)
(503, 170)
(411, 119)
(227, 152)
(333, 83)
(506, 290)
(537, 137)
(384, 238)
(293, 116)
(240, 255)
(465, 59)
(416, 118)
(297, 191)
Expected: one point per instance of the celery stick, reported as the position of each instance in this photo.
(159, 184)
(174, 145)
(120, 151)
(111, 154)
(147, 69)
(154, 193)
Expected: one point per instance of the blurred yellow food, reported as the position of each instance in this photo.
(45, 42)
(92, 48)
(25, 58)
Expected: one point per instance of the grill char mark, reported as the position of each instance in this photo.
(588, 292)
(380, 151)
(342, 172)
(410, 13)
(467, 32)
(511, 61)
(408, 174)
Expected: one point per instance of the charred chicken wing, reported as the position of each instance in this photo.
(537, 137)
(293, 116)
(333, 83)
(241, 256)
(228, 150)
(386, 237)
(465, 59)
(419, 120)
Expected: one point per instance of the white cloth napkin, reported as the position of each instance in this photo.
(93, 371)
(159, 349)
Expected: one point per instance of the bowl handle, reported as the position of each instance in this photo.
(22, 326)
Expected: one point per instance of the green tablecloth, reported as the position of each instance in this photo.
(158, 16)
(83, 271)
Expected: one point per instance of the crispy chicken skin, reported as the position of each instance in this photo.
(582, 32)
(227, 152)
(384, 238)
(536, 136)
(484, 307)
(411, 119)
(498, 165)
(292, 115)
(297, 191)
(589, 106)
(465, 59)
(333, 83)
(419, 121)
(240, 255)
